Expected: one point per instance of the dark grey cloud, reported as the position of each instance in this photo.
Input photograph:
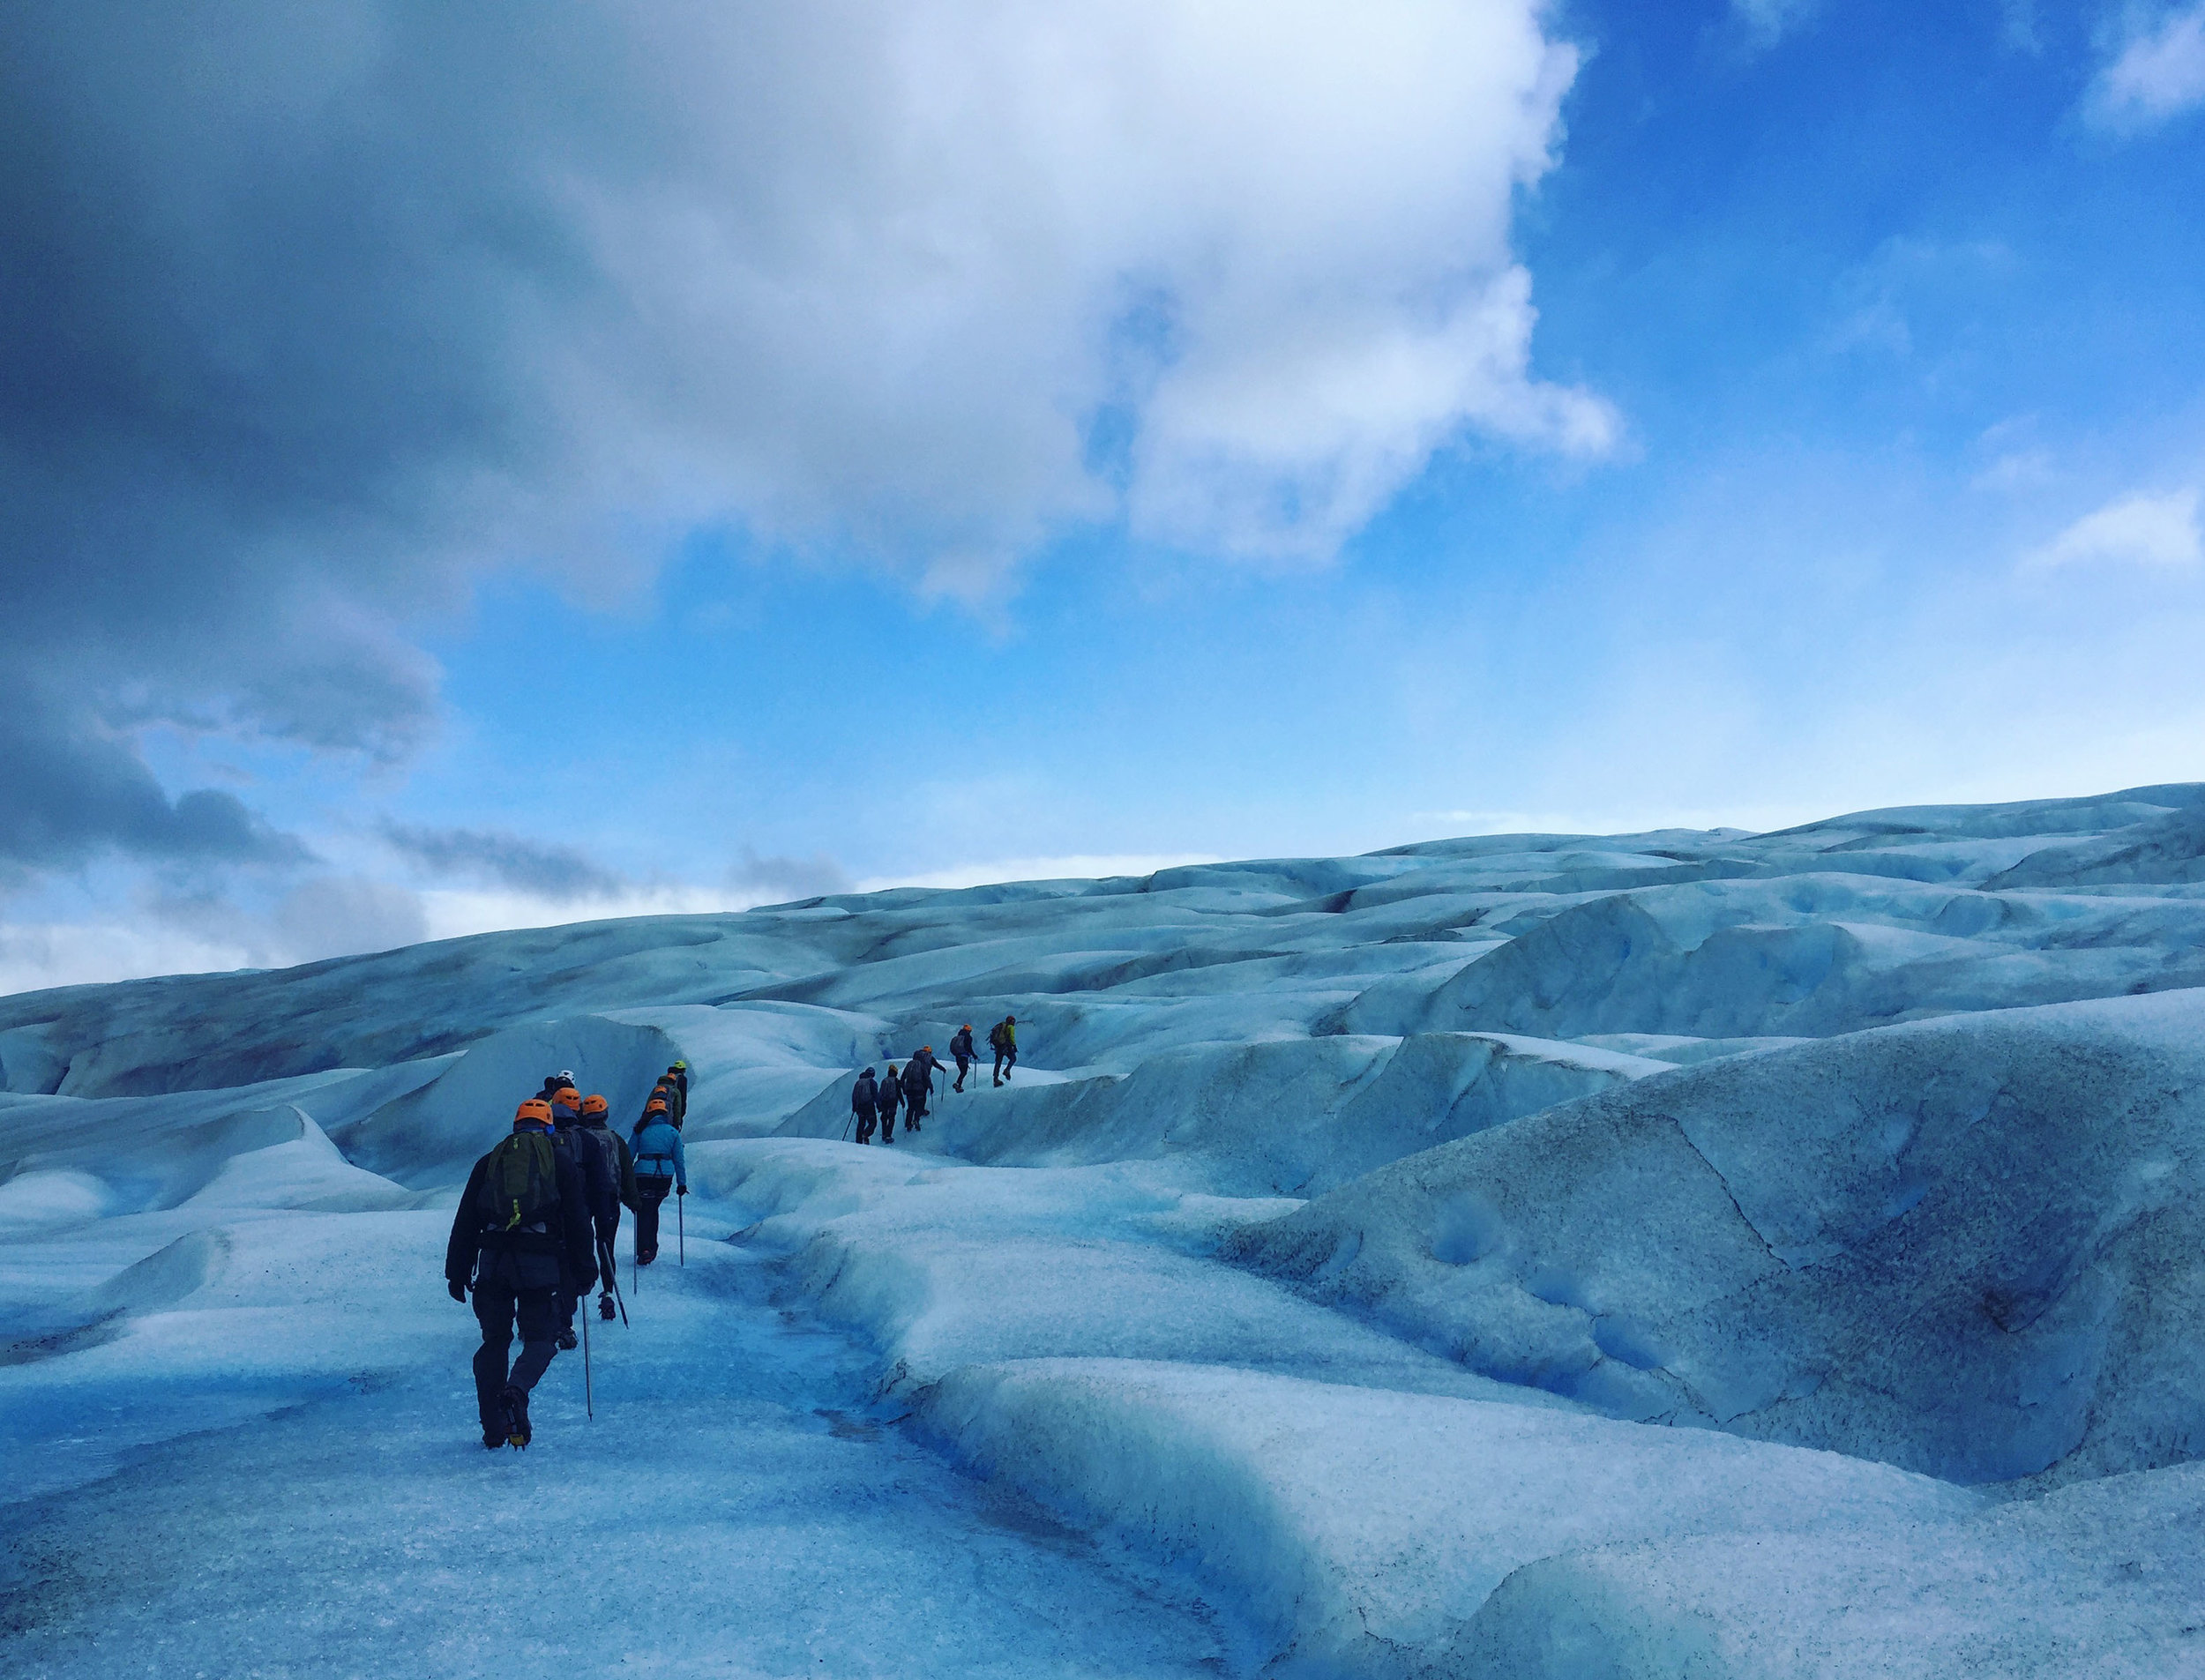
(70, 786)
(788, 878)
(548, 871)
(263, 299)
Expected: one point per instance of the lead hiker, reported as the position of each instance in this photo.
(521, 1237)
(866, 1105)
(1003, 1039)
(659, 1166)
(619, 1191)
(891, 1095)
(961, 1047)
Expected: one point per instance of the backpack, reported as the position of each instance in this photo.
(995, 1036)
(521, 1184)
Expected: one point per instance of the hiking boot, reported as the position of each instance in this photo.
(493, 1439)
(604, 1306)
(512, 1405)
(566, 1339)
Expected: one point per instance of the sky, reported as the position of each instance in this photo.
(471, 467)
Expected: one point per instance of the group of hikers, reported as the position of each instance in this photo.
(874, 1101)
(534, 1231)
(535, 1227)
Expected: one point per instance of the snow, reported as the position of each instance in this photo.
(1663, 1254)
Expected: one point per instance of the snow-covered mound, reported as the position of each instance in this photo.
(1729, 1254)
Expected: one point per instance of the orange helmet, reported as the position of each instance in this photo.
(535, 1108)
(594, 1104)
(567, 1095)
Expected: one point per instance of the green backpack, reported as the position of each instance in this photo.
(521, 1185)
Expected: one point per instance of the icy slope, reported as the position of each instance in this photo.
(1700, 1221)
(1969, 1245)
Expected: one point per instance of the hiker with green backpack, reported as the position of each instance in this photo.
(522, 1237)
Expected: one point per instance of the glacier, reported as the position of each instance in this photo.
(1685, 1253)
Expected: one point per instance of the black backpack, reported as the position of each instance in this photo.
(521, 1184)
(995, 1036)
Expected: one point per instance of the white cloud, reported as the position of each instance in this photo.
(2140, 530)
(2017, 469)
(2158, 74)
(1077, 866)
(1767, 21)
(917, 261)
(449, 913)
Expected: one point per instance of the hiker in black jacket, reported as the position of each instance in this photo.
(891, 1098)
(865, 1104)
(918, 1086)
(581, 1145)
(522, 1237)
(961, 1047)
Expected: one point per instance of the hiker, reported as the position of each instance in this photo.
(961, 1047)
(918, 1086)
(619, 1191)
(658, 1164)
(674, 1087)
(1003, 1039)
(573, 1140)
(865, 1104)
(521, 1237)
(553, 1081)
(891, 1095)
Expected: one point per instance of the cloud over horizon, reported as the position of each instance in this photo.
(316, 316)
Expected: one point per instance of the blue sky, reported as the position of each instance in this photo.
(1854, 460)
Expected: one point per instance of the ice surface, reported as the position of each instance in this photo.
(1366, 1529)
(1968, 1246)
(1680, 1253)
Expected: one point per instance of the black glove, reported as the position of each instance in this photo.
(459, 1290)
(683, 1191)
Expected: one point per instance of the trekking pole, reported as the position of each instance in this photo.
(589, 1398)
(681, 1230)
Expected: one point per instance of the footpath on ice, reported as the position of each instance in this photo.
(1673, 1254)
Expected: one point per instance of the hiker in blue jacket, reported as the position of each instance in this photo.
(659, 1166)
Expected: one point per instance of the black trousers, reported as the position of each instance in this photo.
(914, 1111)
(867, 1119)
(499, 1303)
(649, 1193)
(964, 1066)
(1005, 1059)
(888, 1125)
(608, 1226)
